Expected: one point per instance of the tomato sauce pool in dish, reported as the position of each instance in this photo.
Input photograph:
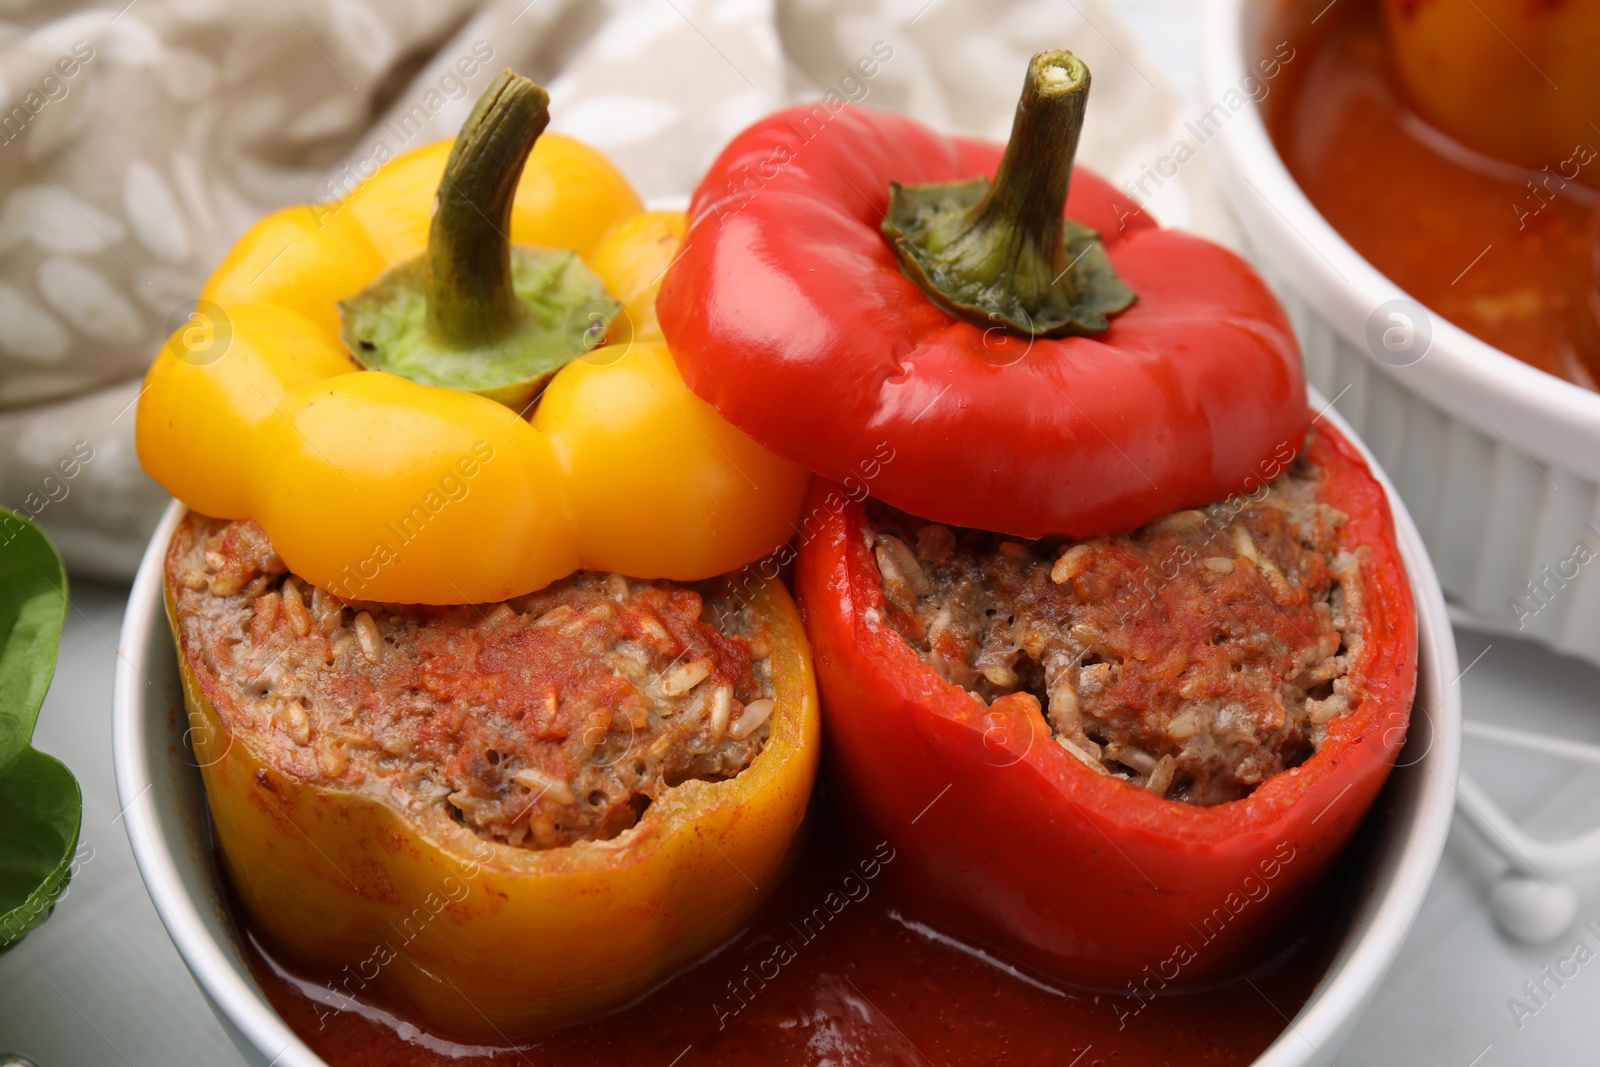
(1499, 250)
(833, 970)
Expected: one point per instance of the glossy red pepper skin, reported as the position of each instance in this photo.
(1010, 843)
(789, 313)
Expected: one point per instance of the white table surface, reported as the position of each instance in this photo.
(101, 984)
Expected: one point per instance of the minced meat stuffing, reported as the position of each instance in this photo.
(548, 719)
(1197, 656)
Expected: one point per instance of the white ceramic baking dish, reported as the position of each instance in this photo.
(1498, 463)
(165, 814)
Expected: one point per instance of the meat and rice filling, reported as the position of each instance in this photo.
(549, 719)
(1197, 656)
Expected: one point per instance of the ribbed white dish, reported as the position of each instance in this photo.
(1498, 463)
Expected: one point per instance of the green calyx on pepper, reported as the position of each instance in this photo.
(472, 312)
(1001, 251)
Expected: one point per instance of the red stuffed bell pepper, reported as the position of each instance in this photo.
(1018, 841)
(1123, 759)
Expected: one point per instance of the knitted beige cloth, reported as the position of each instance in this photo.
(141, 137)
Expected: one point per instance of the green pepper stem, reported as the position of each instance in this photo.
(1001, 251)
(466, 314)
(1030, 185)
(471, 302)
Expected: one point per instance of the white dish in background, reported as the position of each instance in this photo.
(160, 787)
(1499, 463)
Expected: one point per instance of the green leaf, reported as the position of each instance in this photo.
(40, 812)
(33, 605)
(41, 806)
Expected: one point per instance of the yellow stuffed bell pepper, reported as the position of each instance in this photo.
(425, 483)
(358, 386)
(480, 940)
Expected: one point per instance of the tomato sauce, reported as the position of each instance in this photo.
(1501, 251)
(835, 970)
